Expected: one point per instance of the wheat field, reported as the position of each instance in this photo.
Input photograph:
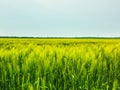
(59, 64)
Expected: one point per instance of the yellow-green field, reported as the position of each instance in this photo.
(59, 64)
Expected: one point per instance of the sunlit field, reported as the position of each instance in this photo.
(59, 64)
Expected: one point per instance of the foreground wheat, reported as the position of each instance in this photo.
(59, 64)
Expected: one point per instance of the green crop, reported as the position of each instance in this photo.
(59, 64)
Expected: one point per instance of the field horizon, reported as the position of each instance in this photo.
(71, 37)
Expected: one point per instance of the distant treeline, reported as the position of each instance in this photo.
(61, 37)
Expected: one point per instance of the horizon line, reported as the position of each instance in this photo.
(59, 37)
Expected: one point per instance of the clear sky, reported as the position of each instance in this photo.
(51, 18)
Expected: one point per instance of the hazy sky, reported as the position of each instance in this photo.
(60, 18)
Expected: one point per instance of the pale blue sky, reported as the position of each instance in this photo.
(81, 18)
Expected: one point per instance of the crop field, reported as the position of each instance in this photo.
(59, 64)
